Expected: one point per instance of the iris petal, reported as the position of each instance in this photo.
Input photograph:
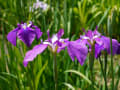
(89, 34)
(60, 33)
(99, 41)
(48, 33)
(98, 49)
(27, 36)
(12, 36)
(106, 42)
(30, 55)
(38, 32)
(77, 50)
(64, 43)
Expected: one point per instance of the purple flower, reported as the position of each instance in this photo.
(78, 49)
(40, 4)
(56, 44)
(92, 36)
(101, 42)
(25, 32)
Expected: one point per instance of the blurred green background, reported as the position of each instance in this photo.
(72, 16)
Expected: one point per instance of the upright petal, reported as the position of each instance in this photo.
(48, 33)
(27, 36)
(30, 55)
(60, 33)
(89, 34)
(96, 33)
(77, 50)
(12, 35)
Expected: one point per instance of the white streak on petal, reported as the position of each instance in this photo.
(54, 38)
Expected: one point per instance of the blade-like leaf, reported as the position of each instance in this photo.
(69, 86)
(80, 74)
(39, 74)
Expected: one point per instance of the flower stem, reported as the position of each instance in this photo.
(103, 73)
(91, 63)
(112, 70)
(110, 27)
(55, 70)
(105, 69)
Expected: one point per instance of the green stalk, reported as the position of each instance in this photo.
(110, 34)
(91, 63)
(55, 70)
(105, 69)
(103, 73)
(33, 75)
(65, 17)
(112, 64)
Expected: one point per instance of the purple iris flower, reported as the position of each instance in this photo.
(92, 36)
(40, 4)
(56, 44)
(78, 49)
(25, 32)
(101, 42)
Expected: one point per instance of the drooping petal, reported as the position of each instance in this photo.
(62, 47)
(98, 49)
(106, 42)
(12, 35)
(60, 33)
(99, 41)
(77, 50)
(63, 44)
(30, 55)
(38, 32)
(115, 46)
(27, 36)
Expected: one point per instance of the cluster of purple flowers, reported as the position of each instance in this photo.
(78, 48)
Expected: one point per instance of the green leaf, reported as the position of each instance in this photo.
(69, 86)
(9, 74)
(80, 74)
(39, 74)
(4, 79)
(103, 17)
